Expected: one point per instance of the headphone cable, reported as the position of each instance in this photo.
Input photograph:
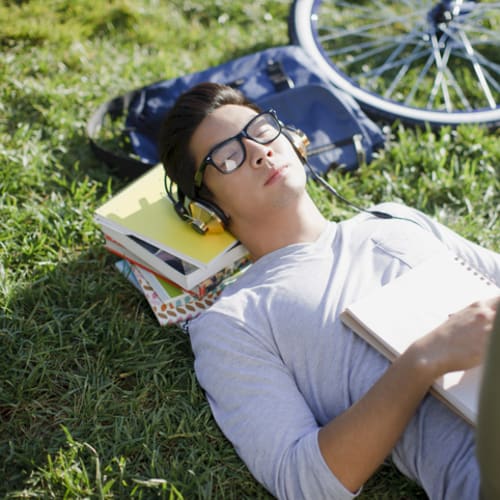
(377, 213)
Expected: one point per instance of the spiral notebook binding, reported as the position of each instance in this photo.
(483, 277)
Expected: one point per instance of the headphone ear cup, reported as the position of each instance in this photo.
(299, 141)
(205, 217)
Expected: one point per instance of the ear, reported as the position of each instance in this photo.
(298, 140)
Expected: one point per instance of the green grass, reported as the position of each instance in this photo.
(97, 400)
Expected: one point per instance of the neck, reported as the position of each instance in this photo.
(304, 223)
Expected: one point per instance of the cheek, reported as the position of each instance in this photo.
(222, 187)
(285, 148)
(232, 193)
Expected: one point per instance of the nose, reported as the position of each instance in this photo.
(257, 153)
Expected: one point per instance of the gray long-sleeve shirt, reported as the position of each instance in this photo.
(277, 363)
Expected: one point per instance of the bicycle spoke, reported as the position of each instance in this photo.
(366, 55)
(465, 102)
(439, 80)
(494, 84)
(480, 30)
(348, 5)
(428, 58)
(356, 47)
(483, 61)
(451, 81)
(479, 7)
(478, 70)
(491, 80)
(360, 31)
(374, 40)
(416, 85)
(402, 72)
(471, 55)
(406, 61)
(392, 60)
(396, 46)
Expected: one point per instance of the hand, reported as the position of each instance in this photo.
(460, 342)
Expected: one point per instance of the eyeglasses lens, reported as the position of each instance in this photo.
(229, 156)
(263, 129)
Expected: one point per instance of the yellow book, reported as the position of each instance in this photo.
(142, 209)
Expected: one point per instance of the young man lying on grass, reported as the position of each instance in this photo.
(311, 408)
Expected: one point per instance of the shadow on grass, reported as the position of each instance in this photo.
(93, 393)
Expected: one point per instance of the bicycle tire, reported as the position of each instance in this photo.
(308, 28)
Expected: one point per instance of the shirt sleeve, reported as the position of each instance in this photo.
(261, 410)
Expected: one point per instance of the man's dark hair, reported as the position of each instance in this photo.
(180, 124)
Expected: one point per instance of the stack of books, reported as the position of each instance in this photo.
(179, 271)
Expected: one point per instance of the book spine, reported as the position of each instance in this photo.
(214, 281)
(201, 290)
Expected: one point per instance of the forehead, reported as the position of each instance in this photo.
(224, 122)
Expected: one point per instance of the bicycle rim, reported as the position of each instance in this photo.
(419, 62)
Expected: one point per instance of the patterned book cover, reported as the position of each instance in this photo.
(170, 303)
(180, 306)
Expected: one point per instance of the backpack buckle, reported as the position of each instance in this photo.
(277, 75)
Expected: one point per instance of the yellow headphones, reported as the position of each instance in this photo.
(298, 140)
(206, 217)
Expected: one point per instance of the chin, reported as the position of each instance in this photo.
(297, 177)
(291, 196)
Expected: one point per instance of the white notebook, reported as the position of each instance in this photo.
(412, 305)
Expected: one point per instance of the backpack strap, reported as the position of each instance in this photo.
(121, 164)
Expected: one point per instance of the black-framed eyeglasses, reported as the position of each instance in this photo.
(229, 155)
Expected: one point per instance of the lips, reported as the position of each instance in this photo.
(275, 174)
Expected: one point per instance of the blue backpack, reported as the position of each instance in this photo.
(282, 78)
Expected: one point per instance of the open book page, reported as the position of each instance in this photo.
(397, 314)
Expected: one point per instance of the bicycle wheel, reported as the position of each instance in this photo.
(420, 62)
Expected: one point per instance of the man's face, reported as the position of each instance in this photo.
(271, 178)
